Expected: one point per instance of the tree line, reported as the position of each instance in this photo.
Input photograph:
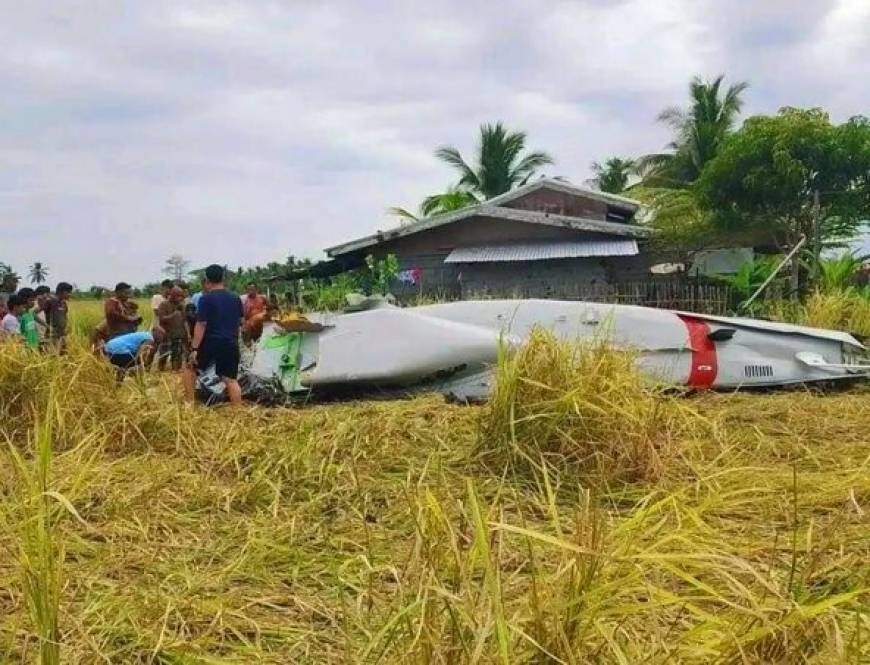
(771, 181)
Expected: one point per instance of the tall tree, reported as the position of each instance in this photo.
(38, 272)
(613, 175)
(791, 175)
(680, 227)
(699, 132)
(176, 267)
(501, 162)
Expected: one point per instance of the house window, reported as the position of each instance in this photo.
(616, 215)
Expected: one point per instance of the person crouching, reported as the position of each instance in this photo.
(132, 351)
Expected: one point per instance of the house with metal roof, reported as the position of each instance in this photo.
(530, 241)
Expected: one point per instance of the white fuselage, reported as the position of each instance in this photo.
(453, 347)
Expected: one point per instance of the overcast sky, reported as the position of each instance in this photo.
(240, 132)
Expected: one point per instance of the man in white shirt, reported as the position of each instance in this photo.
(10, 326)
(160, 297)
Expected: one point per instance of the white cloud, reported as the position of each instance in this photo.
(633, 46)
(841, 50)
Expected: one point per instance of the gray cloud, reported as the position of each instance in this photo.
(240, 132)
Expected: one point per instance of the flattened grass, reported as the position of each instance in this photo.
(406, 531)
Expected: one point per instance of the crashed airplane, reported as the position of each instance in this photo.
(452, 348)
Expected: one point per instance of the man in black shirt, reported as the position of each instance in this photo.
(215, 341)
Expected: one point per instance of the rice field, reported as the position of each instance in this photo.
(85, 315)
(581, 516)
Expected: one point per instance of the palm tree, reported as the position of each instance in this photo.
(698, 133)
(437, 204)
(405, 216)
(499, 164)
(613, 175)
(38, 273)
(450, 201)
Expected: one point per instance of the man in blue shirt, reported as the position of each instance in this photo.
(132, 350)
(215, 341)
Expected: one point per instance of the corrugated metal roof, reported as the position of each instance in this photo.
(619, 229)
(539, 251)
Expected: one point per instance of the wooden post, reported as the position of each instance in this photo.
(795, 276)
(817, 237)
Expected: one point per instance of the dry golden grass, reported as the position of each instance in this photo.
(847, 310)
(586, 408)
(642, 527)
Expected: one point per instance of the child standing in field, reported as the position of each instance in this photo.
(43, 293)
(27, 319)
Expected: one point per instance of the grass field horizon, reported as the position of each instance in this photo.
(579, 517)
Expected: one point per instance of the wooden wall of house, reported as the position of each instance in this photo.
(424, 253)
(476, 231)
(426, 274)
(616, 279)
(630, 268)
(560, 203)
(531, 279)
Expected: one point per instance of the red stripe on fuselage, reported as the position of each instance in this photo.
(705, 365)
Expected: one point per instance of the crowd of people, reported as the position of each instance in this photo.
(191, 332)
(36, 317)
